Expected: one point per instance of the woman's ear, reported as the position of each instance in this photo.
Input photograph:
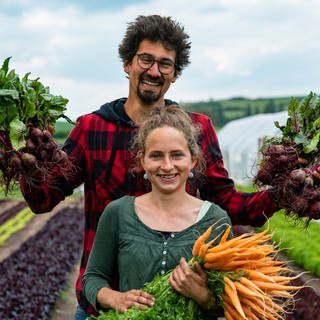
(194, 162)
(140, 157)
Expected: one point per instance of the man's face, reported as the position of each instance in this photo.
(149, 84)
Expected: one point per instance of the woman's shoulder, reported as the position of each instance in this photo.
(124, 200)
(217, 212)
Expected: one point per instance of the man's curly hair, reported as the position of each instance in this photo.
(157, 28)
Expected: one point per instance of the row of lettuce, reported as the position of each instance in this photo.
(297, 240)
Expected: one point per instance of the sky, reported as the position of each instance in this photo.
(247, 48)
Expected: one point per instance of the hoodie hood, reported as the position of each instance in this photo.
(114, 112)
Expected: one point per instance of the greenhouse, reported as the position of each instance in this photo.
(241, 139)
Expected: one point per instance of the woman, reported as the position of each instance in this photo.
(139, 237)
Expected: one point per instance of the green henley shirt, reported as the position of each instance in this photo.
(124, 245)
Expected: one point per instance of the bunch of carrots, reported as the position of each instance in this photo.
(244, 277)
(256, 284)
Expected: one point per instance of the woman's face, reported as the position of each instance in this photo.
(167, 159)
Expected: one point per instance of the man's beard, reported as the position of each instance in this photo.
(149, 97)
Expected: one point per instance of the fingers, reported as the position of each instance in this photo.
(140, 299)
(199, 271)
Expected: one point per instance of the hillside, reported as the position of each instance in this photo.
(223, 111)
(220, 111)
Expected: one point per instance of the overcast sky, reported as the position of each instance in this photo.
(250, 48)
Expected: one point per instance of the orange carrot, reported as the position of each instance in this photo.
(253, 305)
(228, 315)
(228, 244)
(250, 285)
(200, 241)
(257, 275)
(228, 306)
(249, 313)
(211, 257)
(285, 279)
(204, 248)
(235, 300)
(229, 312)
(225, 235)
(273, 270)
(243, 290)
(268, 286)
(230, 283)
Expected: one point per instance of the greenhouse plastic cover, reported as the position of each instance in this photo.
(240, 141)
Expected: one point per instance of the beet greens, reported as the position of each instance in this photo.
(290, 163)
(28, 112)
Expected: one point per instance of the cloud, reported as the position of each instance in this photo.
(239, 47)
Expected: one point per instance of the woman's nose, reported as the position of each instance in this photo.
(166, 163)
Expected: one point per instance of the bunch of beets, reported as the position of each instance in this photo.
(290, 164)
(28, 112)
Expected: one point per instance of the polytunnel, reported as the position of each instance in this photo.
(240, 141)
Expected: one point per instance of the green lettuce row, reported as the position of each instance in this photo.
(300, 244)
(15, 224)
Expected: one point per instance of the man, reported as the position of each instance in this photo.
(154, 51)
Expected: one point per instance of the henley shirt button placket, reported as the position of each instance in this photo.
(164, 258)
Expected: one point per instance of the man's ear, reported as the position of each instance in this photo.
(126, 67)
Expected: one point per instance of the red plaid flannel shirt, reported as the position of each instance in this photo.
(101, 150)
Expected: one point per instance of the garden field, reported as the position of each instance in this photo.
(39, 255)
(39, 261)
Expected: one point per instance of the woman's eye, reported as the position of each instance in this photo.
(178, 155)
(155, 156)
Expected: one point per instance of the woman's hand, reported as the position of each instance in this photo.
(191, 284)
(122, 301)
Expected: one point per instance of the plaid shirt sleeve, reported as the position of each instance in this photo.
(243, 208)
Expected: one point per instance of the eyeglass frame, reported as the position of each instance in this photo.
(155, 61)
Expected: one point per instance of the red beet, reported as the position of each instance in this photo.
(36, 134)
(15, 161)
(29, 160)
(298, 176)
(314, 210)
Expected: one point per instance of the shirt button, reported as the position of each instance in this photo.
(162, 272)
(164, 252)
(163, 263)
(172, 235)
(165, 243)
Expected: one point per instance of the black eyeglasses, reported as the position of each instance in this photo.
(146, 61)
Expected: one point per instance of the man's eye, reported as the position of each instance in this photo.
(147, 59)
(166, 64)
